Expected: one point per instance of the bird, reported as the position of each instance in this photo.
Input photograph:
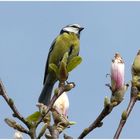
(67, 41)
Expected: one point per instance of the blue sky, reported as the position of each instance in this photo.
(26, 32)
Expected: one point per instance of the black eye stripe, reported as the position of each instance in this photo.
(74, 26)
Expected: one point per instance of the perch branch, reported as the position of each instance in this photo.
(54, 132)
(61, 90)
(11, 104)
(98, 122)
(131, 104)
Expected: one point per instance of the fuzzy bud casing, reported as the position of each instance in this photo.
(136, 65)
(136, 71)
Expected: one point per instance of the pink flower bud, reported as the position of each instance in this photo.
(62, 104)
(117, 72)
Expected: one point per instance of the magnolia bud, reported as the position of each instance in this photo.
(106, 102)
(118, 96)
(136, 71)
(124, 115)
(18, 135)
(69, 86)
(62, 104)
(117, 73)
(136, 65)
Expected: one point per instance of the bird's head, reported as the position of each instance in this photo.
(75, 28)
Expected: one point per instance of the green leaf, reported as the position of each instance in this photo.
(63, 73)
(34, 117)
(54, 68)
(74, 62)
(65, 58)
(72, 123)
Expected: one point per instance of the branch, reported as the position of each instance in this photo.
(9, 101)
(131, 104)
(31, 132)
(15, 125)
(62, 88)
(54, 132)
(67, 137)
(42, 132)
(97, 123)
(12, 105)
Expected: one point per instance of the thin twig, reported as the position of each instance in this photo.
(97, 123)
(10, 102)
(42, 132)
(12, 105)
(131, 104)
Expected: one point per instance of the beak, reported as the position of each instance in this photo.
(81, 28)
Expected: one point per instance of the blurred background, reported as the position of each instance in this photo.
(27, 30)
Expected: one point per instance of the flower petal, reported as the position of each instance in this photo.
(117, 72)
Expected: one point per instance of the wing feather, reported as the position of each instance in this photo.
(47, 63)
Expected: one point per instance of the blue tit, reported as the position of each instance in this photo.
(67, 41)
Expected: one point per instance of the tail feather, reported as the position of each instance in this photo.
(45, 95)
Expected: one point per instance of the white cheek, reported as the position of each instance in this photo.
(74, 30)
